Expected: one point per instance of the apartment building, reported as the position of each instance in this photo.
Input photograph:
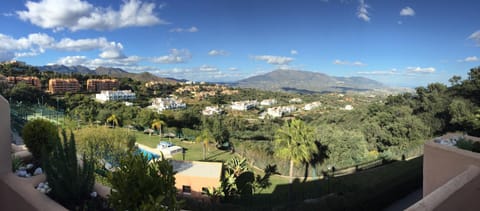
(62, 85)
(109, 95)
(32, 81)
(97, 85)
(244, 105)
(161, 104)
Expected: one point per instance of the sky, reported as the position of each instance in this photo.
(401, 43)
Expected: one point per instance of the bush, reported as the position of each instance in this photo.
(39, 135)
(139, 183)
(71, 183)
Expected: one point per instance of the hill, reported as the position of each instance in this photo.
(110, 71)
(307, 82)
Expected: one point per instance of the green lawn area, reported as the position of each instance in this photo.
(194, 150)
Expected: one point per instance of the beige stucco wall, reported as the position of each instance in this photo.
(196, 184)
(441, 163)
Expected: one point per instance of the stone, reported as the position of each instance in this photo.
(21, 173)
(93, 194)
(29, 166)
(38, 171)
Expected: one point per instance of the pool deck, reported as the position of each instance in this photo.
(153, 150)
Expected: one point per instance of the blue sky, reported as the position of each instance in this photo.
(397, 42)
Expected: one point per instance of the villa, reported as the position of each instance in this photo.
(212, 110)
(268, 102)
(161, 104)
(311, 106)
(244, 105)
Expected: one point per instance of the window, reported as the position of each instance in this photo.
(204, 191)
(186, 189)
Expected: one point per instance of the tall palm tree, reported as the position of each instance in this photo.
(295, 141)
(113, 120)
(157, 125)
(204, 137)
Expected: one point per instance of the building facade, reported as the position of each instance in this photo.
(32, 81)
(161, 104)
(97, 85)
(62, 85)
(109, 95)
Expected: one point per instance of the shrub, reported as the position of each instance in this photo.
(71, 183)
(39, 135)
(139, 183)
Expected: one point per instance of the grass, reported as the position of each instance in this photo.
(194, 150)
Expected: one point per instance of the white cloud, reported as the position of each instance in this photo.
(175, 56)
(191, 29)
(232, 68)
(469, 59)
(293, 52)
(407, 11)
(380, 72)
(475, 36)
(362, 11)
(80, 15)
(355, 63)
(421, 69)
(276, 60)
(6, 55)
(72, 60)
(208, 68)
(218, 53)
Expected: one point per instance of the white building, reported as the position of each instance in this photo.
(311, 106)
(109, 95)
(280, 111)
(244, 105)
(161, 104)
(212, 110)
(295, 100)
(268, 102)
(348, 107)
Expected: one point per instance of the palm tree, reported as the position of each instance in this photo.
(113, 120)
(295, 141)
(204, 138)
(157, 125)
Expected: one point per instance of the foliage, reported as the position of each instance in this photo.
(238, 182)
(105, 144)
(39, 135)
(295, 141)
(469, 145)
(217, 128)
(16, 163)
(204, 138)
(263, 182)
(139, 183)
(71, 181)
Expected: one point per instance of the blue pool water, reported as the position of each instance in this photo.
(149, 155)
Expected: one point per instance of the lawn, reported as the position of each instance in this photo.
(194, 150)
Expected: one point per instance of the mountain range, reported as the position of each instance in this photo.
(307, 82)
(110, 71)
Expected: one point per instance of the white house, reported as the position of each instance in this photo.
(268, 102)
(295, 100)
(244, 105)
(280, 111)
(348, 107)
(211, 110)
(161, 104)
(311, 106)
(109, 95)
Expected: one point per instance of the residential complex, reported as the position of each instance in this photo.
(310, 106)
(109, 95)
(295, 100)
(212, 110)
(161, 104)
(244, 105)
(268, 102)
(97, 85)
(62, 85)
(32, 81)
(280, 111)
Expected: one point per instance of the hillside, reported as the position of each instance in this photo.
(110, 71)
(306, 82)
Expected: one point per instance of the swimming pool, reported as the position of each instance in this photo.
(149, 155)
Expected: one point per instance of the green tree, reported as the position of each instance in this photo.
(295, 141)
(157, 125)
(204, 138)
(39, 135)
(140, 183)
(71, 181)
(113, 120)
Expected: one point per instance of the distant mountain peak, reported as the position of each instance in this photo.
(306, 81)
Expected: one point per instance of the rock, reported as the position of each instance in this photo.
(22, 168)
(38, 171)
(29, 166)
(93, 194)
(42, 190)
(21, 173)
(28, 175)
(40, 185)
